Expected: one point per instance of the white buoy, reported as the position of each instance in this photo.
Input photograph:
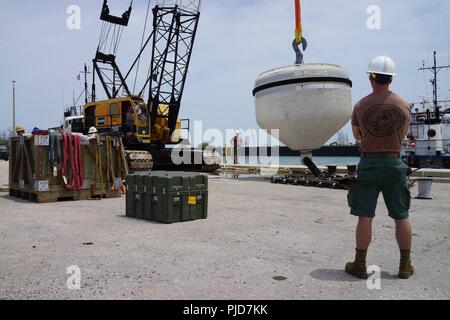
(307, 103)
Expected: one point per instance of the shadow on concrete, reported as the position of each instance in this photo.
(339, 275)
(18, 200)
(333, 275)
(141, 220)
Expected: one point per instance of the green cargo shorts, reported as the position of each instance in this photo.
(386, 175)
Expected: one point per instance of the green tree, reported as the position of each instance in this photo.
(205, 145)
(4, 138)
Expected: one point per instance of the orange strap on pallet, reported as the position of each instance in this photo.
(72, 149)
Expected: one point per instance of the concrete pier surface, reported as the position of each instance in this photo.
(261, 241)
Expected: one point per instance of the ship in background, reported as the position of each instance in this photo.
(428, 143)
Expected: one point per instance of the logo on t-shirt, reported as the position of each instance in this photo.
(383, 120)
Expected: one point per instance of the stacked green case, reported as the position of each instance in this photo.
(167, 197)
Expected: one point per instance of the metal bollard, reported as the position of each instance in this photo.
(424, 188)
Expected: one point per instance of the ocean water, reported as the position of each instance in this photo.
(292, 161)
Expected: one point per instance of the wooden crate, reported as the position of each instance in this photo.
(31, 176)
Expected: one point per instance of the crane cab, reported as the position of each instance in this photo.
(130, 116)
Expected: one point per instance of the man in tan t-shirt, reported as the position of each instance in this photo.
(380, 122)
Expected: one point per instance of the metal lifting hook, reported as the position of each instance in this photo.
(298, 52)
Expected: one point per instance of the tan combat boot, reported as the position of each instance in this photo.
(358, 268)
(406, 269)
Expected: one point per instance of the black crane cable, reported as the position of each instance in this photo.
(142, 45)
(106, 30)
(102, 32)
(118, 39)
(116, 35)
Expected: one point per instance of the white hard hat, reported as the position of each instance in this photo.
(93, 130)
(382, 65)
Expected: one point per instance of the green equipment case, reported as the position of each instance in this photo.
(167, 197)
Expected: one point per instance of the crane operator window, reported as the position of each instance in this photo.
(143, 125)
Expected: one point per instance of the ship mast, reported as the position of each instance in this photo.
(435, 69)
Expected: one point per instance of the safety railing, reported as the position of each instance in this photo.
(421, 146)
(185, 128)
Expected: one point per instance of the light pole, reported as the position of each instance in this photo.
(14, 108)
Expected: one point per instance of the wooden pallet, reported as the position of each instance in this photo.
(61, 195)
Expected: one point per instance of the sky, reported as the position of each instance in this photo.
(237, 40)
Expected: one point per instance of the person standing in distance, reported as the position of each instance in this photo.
(20, 131)
(380, 122)
(236, 143)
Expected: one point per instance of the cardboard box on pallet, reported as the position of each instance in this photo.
(167, 197)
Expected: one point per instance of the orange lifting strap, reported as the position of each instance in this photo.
(298, 22)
